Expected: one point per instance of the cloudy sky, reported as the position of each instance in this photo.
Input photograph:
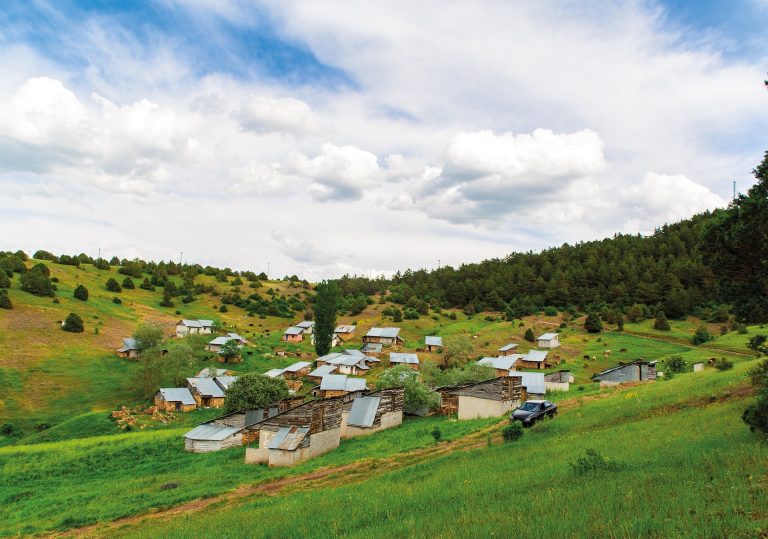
(367, 137)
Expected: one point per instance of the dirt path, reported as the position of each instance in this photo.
(333, 475)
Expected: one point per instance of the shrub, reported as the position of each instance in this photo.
(73, 324)
(592, 461)
(223, 309)
(36, 282)
(593, 324)
(661, 323)
(5, 301)
(550, 311)
(437, 434)
(117, 301)
(101, 264)
(128, 284)
(113, 286)
(252, 391)
(701, 336)
(723, 364)
(81, 293)
(513, 432)
(674, 365)
(756, 416)
(742, 329)
(5, 281)
(529, 336)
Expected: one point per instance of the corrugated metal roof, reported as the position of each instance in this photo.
(333, 382)
(356, 384)
(293, 330)
(207, 387)
(503, 362)
(273, 373)
(532, 381)
(363, 411)
(345, 329)
(323, 370)
(433, 341)
(214, 433)
(305, 324)
(372, 347)
(224, 339)
(536, 355)
(204, 373)
(617, 367)
(509, 346)
(547, 336)
(297, 366)
(288, 438)
(196, 323)
(383, 332)
(177, 394)
(129, 343)
(206, 323)
(225, 381)
(402, 357)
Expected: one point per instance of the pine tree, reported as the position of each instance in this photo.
(113, 286)
(529, 336)
(73, 324)
(326, 308)
(661, 323)
(593, 324)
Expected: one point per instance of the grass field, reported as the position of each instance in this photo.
(684, 466)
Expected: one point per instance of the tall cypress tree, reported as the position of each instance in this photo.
(326, 307)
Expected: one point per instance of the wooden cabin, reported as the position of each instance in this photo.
(502, 364)
(297, 370)
(372, 349)
(298, 434)
(373, 412)
(548, 340)
(130, 348)
(384, 336)
(433, 344)
(323, 370)
(340, 385)
(293, 334)
(206, 392)
(400, 358)
(508, 349)
(534, 359)
(308, 326)
(637, 371)
(345, 332)
(352, 362)
(175, 399)
(533, 384)
(193, 327)
(216, 344)
(492, 398)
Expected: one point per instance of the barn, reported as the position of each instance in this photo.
(216, 344)
(206, 438)
(559, 381)
(308, 326)
(533, 384)
(323, 370)
(298, 434)
(373, 412)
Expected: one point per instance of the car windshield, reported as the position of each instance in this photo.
(529, 407)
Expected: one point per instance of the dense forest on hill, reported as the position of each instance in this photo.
(709, 265)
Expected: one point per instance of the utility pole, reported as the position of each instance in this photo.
(438, 263)
(99, 258)
(267, 269)
(734, 189)
(181, 257)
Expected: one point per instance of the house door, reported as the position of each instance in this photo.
(206, 401)
(178, 406)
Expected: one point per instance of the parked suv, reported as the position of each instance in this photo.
(531, 411)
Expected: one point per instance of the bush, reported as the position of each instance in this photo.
(223, 309)
(701, 336)
(674, 365)
(529, 336)
(592, 461)
(756, 416)
(117, 301)
(5, 301)
(742, 329)
(661, 323)
(252, 391)
(36, 282)
(593, 324)
(128, 284)
(5, 281)
(73, 324)
(437, 434)
(113, 286)
(81, 293)
(723, 364)
(513, 432)
(550, 311)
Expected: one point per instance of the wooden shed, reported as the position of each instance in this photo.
(548, 340)
(492, 398)
(345, 332)
(130, 349)
(401, 358)
(175, 399)
(637, 371)
(385, 336)
(508, 349)
(534, 359)
(502, 364)
(433, 344)
(298, 434)
(206, 392)
(340, 385)
(373, 412)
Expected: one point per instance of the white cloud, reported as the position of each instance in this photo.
(265, 114)
(338, 172)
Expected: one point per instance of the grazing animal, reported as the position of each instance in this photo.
(623, 350)
(586, 357)
(594, 358)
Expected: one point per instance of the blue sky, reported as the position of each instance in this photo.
(456, 131)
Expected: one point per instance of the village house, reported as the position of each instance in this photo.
(297, 434)
(559, 381)
(433, 344)
(308, 326)
(175, 399)
(637, 371)
(225, 381)
(373, 412)
(373, 349)
(492, 398)
(335, 340)
(206, 373)
(130, 348)
(297, 370)
(548, 340)
(507, 349)
(534, 359)
(533, 384)
(502, 364)
(401, 358)
(193, 327)
(352, 362)
(230, 430)
(345, 332)
(385, 336)
(293, 334)
(216, 344)
(340, 385)
(323, 370)
(207, 393)
(274, 373)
